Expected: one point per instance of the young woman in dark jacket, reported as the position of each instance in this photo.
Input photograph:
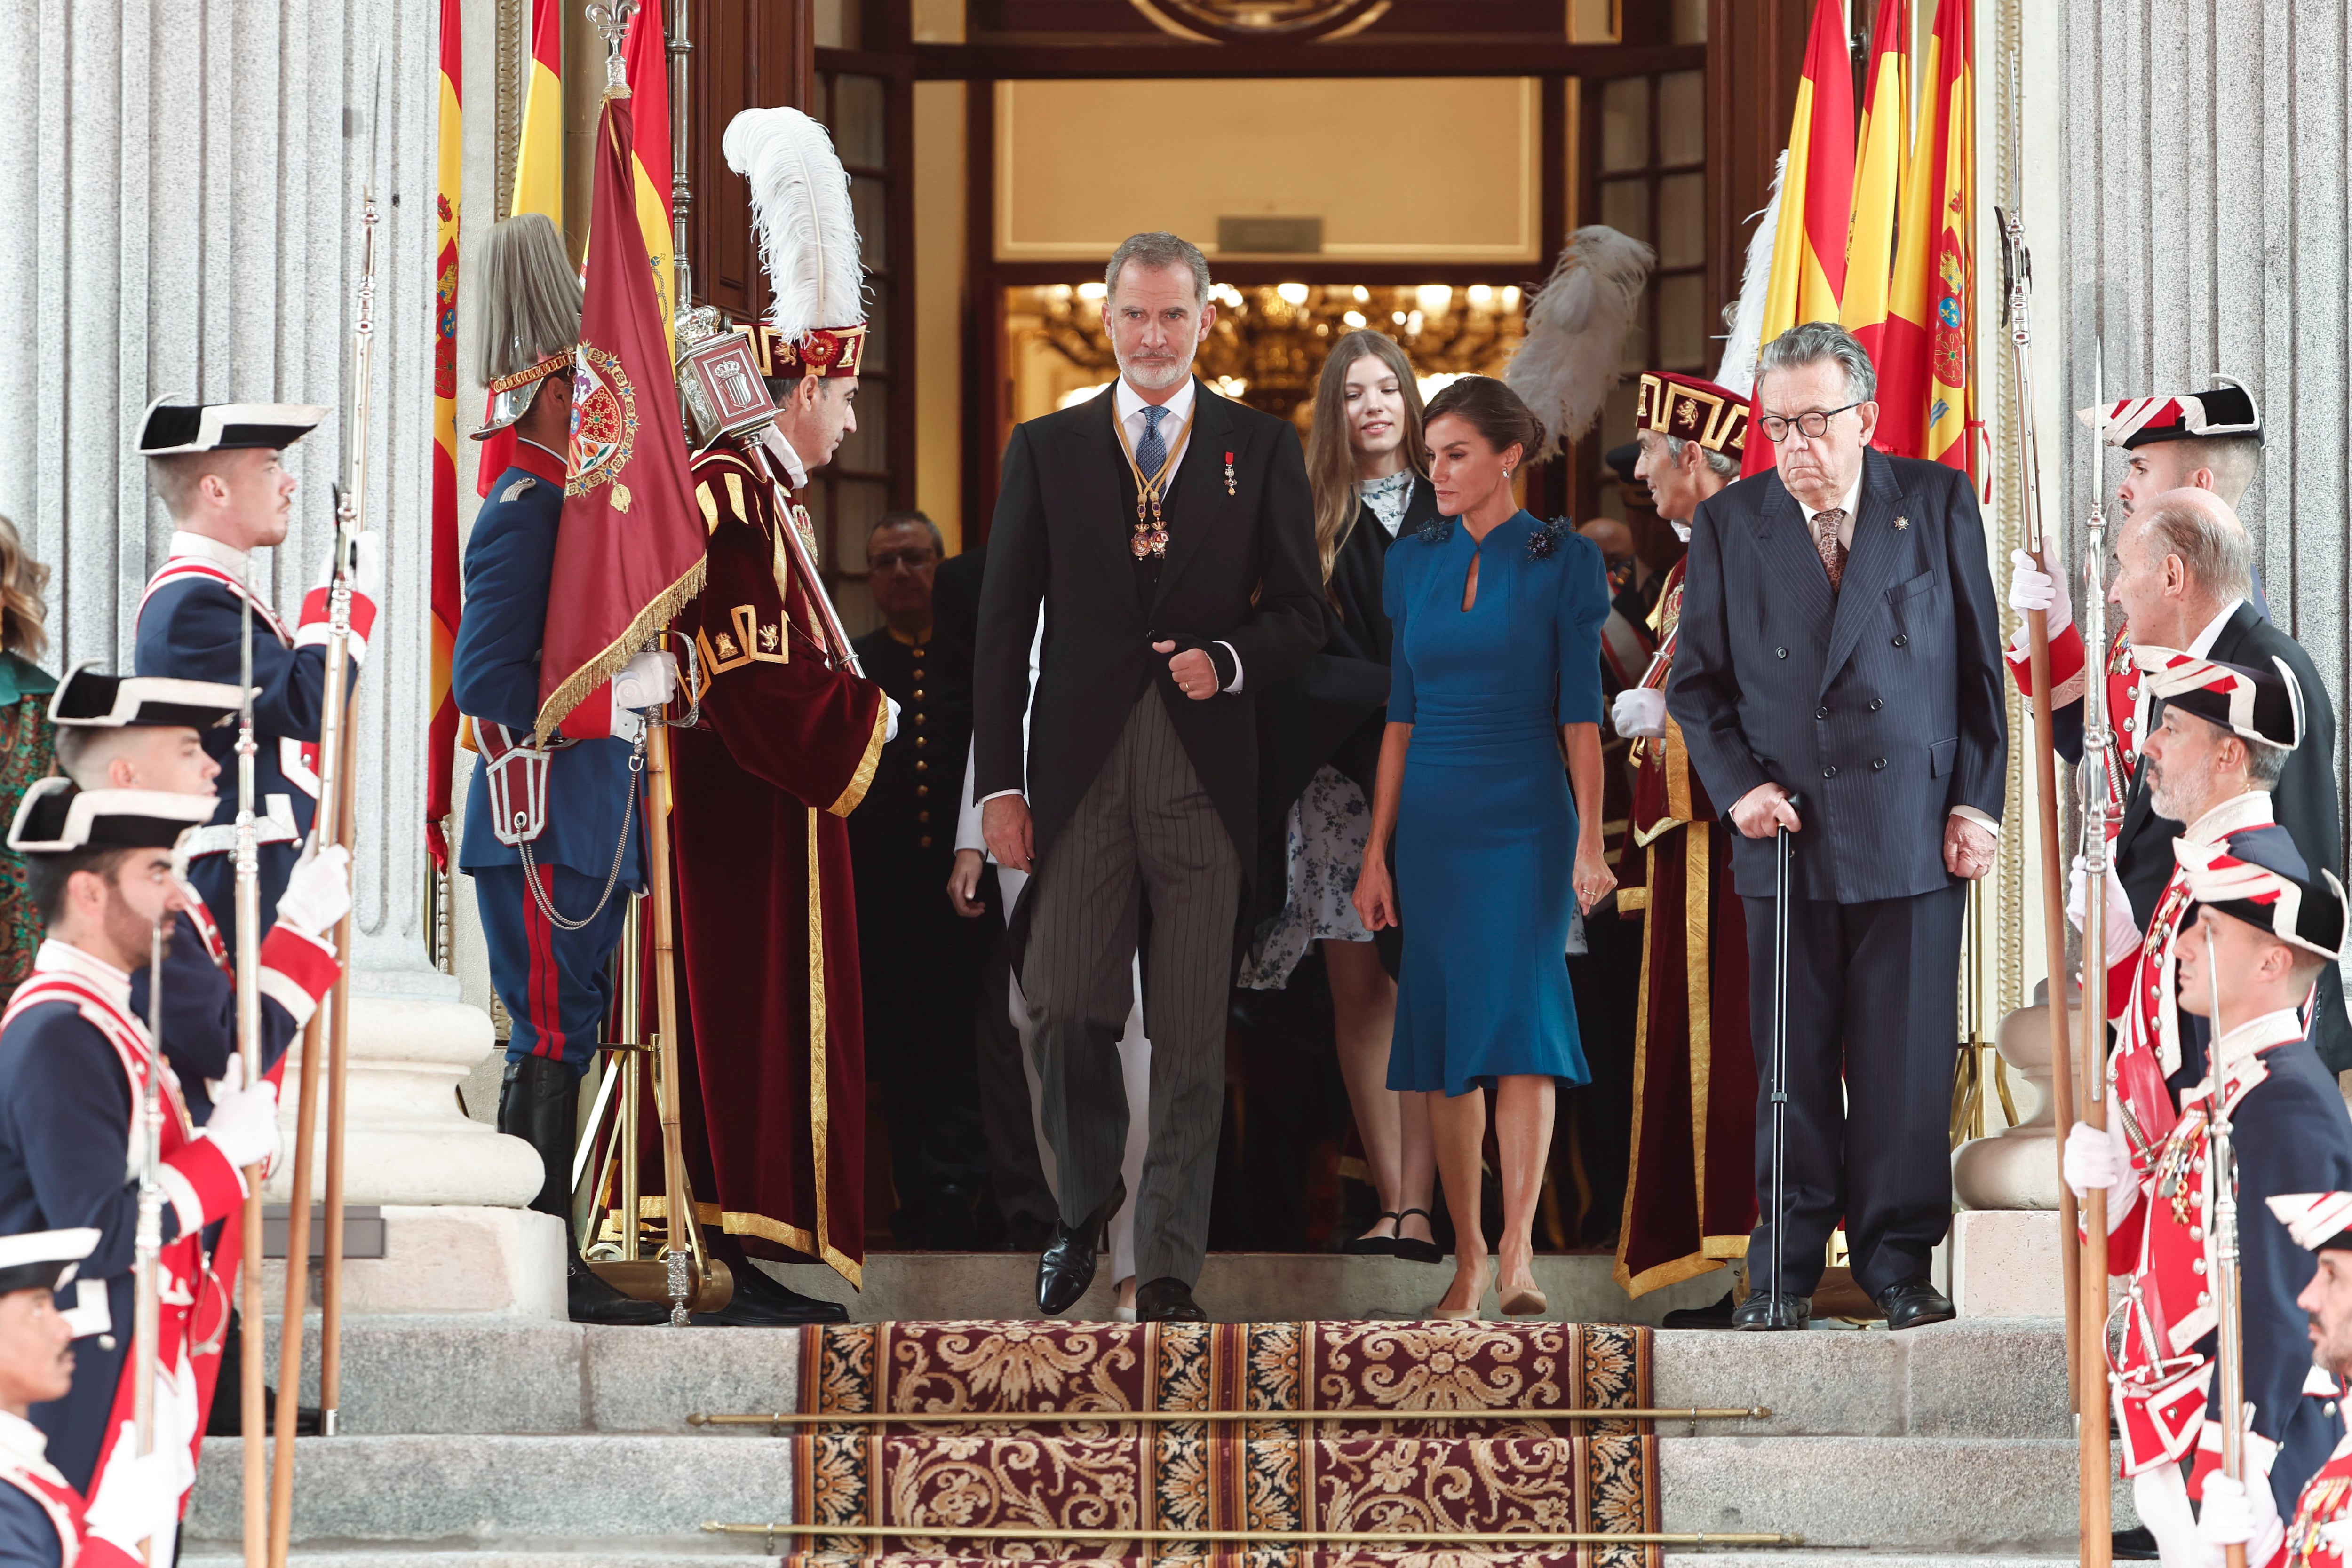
(1319, 749)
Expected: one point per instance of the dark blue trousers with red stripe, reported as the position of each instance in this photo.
(556, 984)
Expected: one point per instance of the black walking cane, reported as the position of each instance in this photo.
(1780, 1054)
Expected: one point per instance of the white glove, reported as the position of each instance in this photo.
(367, 567)
(319, 892)
(2031, 588)
(892, 734)
(1639, 714)
(244, 1124)
(2122, 934)
(2236, 1514)
(138, 1497)
(2091, 1162)
(648, 680)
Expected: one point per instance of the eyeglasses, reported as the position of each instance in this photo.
(903, 560)
(1814, 424)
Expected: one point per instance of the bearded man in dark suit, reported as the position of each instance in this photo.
(1167, 535)
(1840, 638)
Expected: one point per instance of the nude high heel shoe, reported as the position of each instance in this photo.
(1470, 1312)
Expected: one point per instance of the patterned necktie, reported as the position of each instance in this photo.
(1825, 539)
(1152, 449)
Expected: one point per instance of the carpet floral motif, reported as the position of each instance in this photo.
(1467, 1473)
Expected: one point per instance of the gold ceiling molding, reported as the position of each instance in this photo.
(1261, 21)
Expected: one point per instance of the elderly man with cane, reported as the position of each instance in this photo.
(1865, 669)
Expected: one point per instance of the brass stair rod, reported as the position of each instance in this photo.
(1267, 1537)
(1177, 1417)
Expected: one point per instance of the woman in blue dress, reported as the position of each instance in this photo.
(1496, 677)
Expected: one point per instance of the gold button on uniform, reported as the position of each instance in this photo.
(922, 788)
(926, 841)
(921, 741)
(919, 693)
(922, 816)
(922, 766)
(922, 719)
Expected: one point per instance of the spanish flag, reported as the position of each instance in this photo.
(1877, 182)
(645, 58)
(539, 155)
(1926, 382)
(1809, 254)
(441, 738)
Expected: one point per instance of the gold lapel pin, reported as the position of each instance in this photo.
(1901, 524)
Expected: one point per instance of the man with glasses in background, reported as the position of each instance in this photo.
(920, 961)
(1840, 640)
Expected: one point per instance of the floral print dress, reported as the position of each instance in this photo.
(1331, 823)
(25, 755)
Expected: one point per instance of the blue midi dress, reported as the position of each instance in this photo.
(1485, 835)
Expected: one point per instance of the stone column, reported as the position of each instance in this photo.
(186, 183)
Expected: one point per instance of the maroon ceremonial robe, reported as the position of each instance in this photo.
(1690, 1197)
(773, 1092)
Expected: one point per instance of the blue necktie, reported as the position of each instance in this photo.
(1152, 449)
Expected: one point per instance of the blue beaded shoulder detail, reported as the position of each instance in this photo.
(1546, 539)
(1434, 530)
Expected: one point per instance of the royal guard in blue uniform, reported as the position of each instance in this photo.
(2261, 928)
(2318, 1532)
(136, 732)
(43, 1522)
(75, 1061)
(219, 468)
(553, 837)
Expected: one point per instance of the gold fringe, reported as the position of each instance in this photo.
(617, 653)
(863, 780)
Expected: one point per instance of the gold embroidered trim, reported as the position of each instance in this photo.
(1634, 1284)
(709, 504)
(1633, 900)
(820, 1109)
(1697, 957)
(735, 492)
(863, 780)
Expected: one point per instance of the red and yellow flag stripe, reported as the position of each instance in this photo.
(1809, 251)
(1927, 376)
(447, 595)
(1877, 182)
(539, 155)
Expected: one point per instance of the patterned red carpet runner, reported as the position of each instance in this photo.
(1469, 1474)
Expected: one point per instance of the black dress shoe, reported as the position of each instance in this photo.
(2137, 1544)
(1066, 1266)
(760, 1302)
(1025, 1232)
(587, 1299)
(1764, 1312)
(1717, 1315)
(1167, 1301)
(1908, 1303)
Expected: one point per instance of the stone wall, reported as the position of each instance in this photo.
(182, 181)
(2206, 230)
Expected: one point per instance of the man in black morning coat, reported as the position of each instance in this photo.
(1170, 535)
(1840, 642)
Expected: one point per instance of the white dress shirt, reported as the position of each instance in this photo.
(1852, 502)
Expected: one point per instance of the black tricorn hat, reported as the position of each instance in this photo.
(90, 698)
(2259, 704)
(2257, 875)
(42, 1259)
(171, 428)
(58, 818)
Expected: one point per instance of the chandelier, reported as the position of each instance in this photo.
(1268, 343)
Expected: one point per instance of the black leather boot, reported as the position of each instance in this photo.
(538, 1102)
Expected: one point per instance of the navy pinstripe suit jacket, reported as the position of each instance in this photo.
(1880, 705)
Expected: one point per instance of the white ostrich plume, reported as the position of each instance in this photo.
(1577, 324)
(1737, 372)
(808, 232)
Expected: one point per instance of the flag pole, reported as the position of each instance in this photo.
(2019, 262)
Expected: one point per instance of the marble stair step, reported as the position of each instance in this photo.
(408, 1493)
(450, 1374)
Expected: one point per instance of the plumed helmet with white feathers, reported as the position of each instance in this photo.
(808, 241)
